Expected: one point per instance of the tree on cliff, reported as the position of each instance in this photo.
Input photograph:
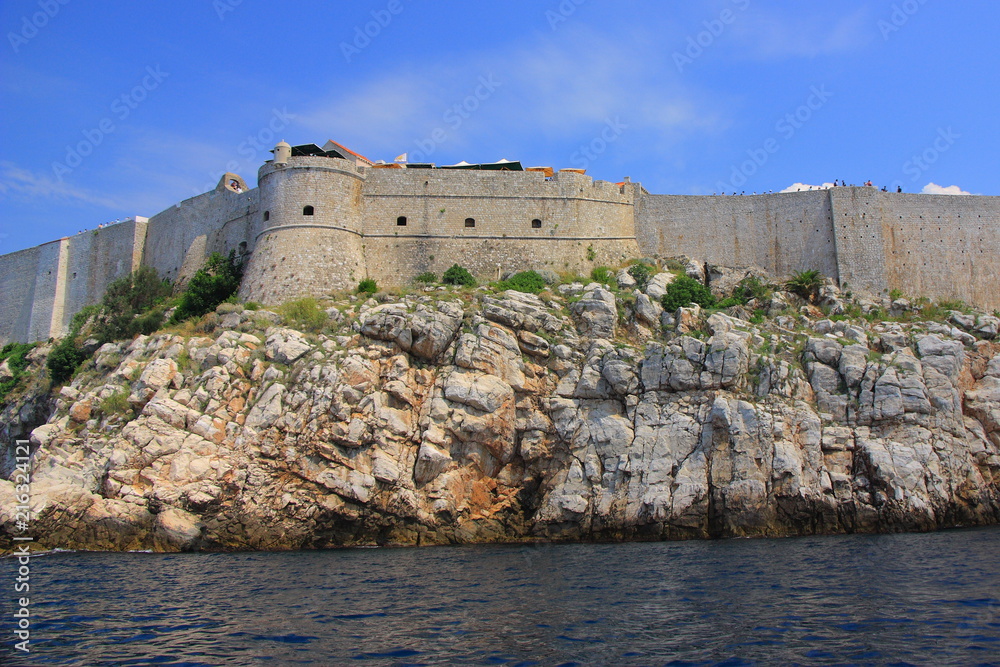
(212, 284)
(127, 307)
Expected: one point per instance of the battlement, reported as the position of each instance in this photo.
(321, 219)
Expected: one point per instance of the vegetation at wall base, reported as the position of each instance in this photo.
(685, 291)
(806, 284)
(304, 314)
(458, 275)
(603, 275)
(641, 273)
(15, 354)
(525, 281)
(367, 286)
(129, 306)
(65, 358)
(751, 288)
(428, 278)
(212, 284)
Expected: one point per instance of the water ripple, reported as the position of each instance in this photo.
(893, 599)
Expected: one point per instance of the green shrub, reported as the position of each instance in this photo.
(304, 314)
(684, 291)
(64, 359)
(641, 273)
(15, 354)
(252, 305)
(146, 323)
(806, 284)
(212, 284)
(458, 275)
(751, 287)
(367, 286)
(427, 277)
(67, 355)
(525, 281)
(115, 404)
(128, 308)
(591, 253)
(730, 302)
(603, 275)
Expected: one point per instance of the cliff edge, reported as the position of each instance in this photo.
(444, 416)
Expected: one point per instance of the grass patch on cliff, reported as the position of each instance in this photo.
(14, 355)
(304, 315)
(604, 276)
(116, 405)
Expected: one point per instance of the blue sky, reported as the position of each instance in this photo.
(124, 108)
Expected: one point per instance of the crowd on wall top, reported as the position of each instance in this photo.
(842, 184)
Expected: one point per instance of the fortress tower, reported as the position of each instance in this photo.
(307, 236)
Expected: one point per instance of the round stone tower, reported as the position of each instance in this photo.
(307, 238)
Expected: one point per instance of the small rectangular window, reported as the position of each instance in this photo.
(401, 221)
(470, 222)
(536, 224)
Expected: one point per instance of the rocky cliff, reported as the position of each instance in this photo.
(472, 416)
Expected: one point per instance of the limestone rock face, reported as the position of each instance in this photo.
(597, 311)
(426, 332)
(657, 286)
(286, 346)
(511, 417)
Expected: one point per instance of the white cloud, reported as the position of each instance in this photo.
(783, 35)
(16, 181)
(803, 187)
(379, 115)
(935, 189)
(547, 89)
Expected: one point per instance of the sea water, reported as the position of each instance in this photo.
(929, 599)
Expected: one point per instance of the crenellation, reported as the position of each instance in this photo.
(317, 224)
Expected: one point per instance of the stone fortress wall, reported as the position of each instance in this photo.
(41, 288)
(393, 224)
(492, 222)
(781, 233)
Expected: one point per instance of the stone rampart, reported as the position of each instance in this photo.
(936, 246)
(317, 225)
(181, 237)
(92, 260)
(782, 233)
(492, 222)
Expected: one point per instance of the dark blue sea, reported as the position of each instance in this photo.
(927, 599)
